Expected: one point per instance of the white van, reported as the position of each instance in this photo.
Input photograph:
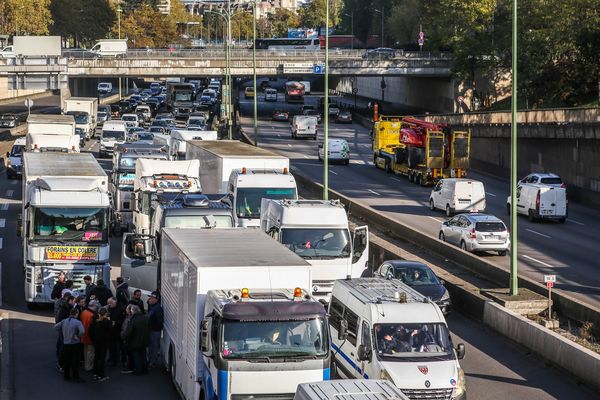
(383, 329)
(144, 110)
(114, 132)
(457, 195)
(105, 87)
(131, 120)
(110, 48)
(304, 126)
(14, 159)
(540, 201)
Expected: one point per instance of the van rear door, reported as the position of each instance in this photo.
(469, 196)
(553, 202)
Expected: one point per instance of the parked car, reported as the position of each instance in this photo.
(457, 195)
(382, 53)
(544, 179)
(344, 117)
(476, 232)
(420, 277)
(279, 115)
(11, 120)
(338, 150)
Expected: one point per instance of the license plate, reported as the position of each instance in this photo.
(546, 211)
(493, 237)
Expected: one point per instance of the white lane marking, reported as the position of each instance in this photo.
(538, 233)
(289, 145)
(435, 219)
(2, 222)
(333, 172)
(10, 192)
(366, 145)
(305, 156)
(4, 207)
(490, 194)
(374, 192)
(537, 261)
(0, 243)
(396, 179)
(575, 222)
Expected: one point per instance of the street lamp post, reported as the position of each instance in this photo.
(351, 15)
(514, 278)
(326, 110)
(119, 11)
(254, 74)
(382, 24)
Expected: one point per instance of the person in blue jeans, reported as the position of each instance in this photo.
(72, 331)
(155, 323)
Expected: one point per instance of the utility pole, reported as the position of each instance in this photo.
(326, 110)
(514, 277)
(254, 74)
(119, 11)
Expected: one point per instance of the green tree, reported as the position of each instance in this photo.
(147, 27)
(312, 14)
(25, 17)
(282, 19)
(403, 22)
(82, 21)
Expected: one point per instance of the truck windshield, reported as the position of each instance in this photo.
(183, 96)
(317, 243)
(62, 225)
(248, 199)
(79, 118)
(402, 342)
(125, 180)
(118, 135)
(274, 339)
(17, 150)
(197, 221)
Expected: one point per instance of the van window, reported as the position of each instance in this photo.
(336, 311)
(551, 181)
(352, 320)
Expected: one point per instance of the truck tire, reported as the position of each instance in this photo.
(502, 253)
(388, 165)
(442, 236)
(448, 210)
(562, 220)
(418, 179)
(507, 209)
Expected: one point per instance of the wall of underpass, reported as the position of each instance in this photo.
(432, 95)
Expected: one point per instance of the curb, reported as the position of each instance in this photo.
(6, 381)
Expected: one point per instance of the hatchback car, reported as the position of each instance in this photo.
(249, 92)
(338, 150)
(343, 117)
(476, 232)
(279, 115)
(334, 110)
(420, 277)
(547, 179)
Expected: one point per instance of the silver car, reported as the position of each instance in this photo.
(476, 232)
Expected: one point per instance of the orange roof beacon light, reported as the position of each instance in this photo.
(298, 293)
(245, 293)
(285, 171)
(244, 170)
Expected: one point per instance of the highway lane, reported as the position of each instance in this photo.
(567, 250)
(33, 373)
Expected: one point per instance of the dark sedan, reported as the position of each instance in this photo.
(418, 276)
(281, 116)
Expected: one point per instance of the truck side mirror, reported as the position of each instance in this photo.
(364, 353)
(460, 351)
(204, 337)
(343, 331)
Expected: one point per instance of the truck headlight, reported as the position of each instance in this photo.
(445, 296)
(38, 277)
(461, 385)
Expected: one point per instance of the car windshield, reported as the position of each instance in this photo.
(197, 221)
(101, 114)
(197, 122)
(248, 199)
(17, 150)
(414, 340)
(415, 275)
(64, 225)
(274, 339)
(159, 122)
(118, 135)
(489, 227)
(317, 243)
(551, 181)
(7, 117)
(129, 118)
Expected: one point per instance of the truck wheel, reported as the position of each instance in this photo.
(531, 217)
(388, 166)
(418, 179)
(507, 209)
(442, 236)
(448, 211)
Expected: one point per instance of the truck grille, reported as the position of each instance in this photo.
(263, 396)
(428, 394)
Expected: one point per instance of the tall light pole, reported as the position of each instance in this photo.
(119, 11)
(254, 74)
(351, 15)
(382, 24)
(326, 110)
(514, 278)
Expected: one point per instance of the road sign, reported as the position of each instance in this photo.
(460, 99)
(549, 278)
(549, 284)
(421, 41)
(318, 69)
(421, 35)
(28, 104)
(354, 90)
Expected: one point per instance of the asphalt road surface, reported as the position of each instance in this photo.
(567, 250)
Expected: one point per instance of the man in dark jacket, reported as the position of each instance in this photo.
(58, 286)
(89, 286)
(155, 323)
(116, 349)
(101, 292)
(137, 300)
(136, 338)
(100, 331)
(122, 292)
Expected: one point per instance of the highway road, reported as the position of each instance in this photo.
(567, 250)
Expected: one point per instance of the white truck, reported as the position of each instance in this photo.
(246, 173)
(46, 46)
(318, 231)
(114, 132)
(179, 138)
(85, 112)
(238, 324)
(110, 48)
(46, 132)
(64, 221)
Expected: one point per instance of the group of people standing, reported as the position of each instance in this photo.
(94, 325)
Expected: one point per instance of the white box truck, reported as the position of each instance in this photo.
(110, 48)
(246, 173)
(318, 231)
(64, 222)
(238, 324)
(41, 46)
(46, 132)
(180, 137)
(85, 112)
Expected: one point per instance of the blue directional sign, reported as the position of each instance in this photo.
(318, 69)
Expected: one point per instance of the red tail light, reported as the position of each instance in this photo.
(537, 201)
(473, 234)
(563, 185)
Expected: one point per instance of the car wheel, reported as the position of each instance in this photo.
(531, 217)
(502, 253)
(442, 236)
(463, 245)
(448, 211)
(431, 205)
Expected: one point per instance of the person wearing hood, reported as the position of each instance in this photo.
(101, 292)
(122, 294)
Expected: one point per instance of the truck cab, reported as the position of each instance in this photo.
(318, 231)
(122, 178)
(247, 188)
